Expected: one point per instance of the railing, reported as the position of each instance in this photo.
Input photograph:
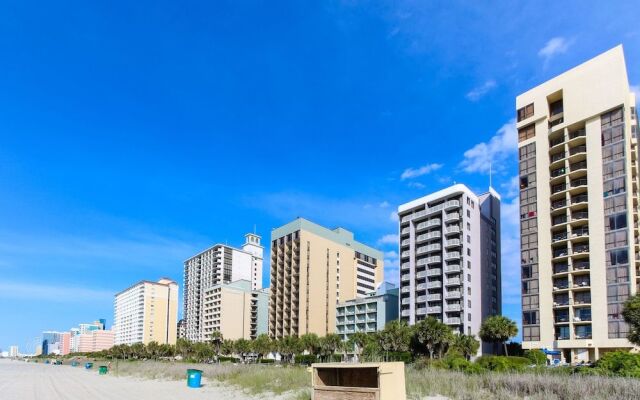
(582, 198)
(558, 188)
(579, 182)
(558, 172)
(579, 215)
(577, 149)
(557, 157)
(576, 134)
(558, 204)
(559, 237)
(578, 165)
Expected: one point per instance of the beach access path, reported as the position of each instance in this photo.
(20, 380)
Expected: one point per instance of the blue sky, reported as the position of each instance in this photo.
(133, 134)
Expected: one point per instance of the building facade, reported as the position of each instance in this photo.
(220, 264)
(234, 310)
(578, 160)
(450, 258)
(368, 314)
(147, 312)
(96, 340)
(13, 352)
(312, 269)
(50, 340)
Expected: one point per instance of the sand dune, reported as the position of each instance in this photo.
(29, 381)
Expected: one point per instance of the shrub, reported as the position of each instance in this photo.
(306, 359)
(404, 356)
(267, 361)
(503, 363)
(228, 359)
(620, 363)
(537, 357)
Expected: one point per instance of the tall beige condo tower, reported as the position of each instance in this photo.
(147, 312)
(312, 269)
(578, 208)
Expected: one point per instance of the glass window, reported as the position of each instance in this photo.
(525, 112)
(527, 132)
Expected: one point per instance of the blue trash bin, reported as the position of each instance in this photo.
(88, 365)
(194, 376)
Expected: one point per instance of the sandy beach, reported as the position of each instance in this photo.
(29, 381)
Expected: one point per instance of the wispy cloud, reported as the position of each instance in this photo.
(52, 293)
(391, 238)
(478, 92)
(499, 148)
(416, 185)
(410, 173)
(555, 46)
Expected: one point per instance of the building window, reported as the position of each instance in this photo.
(526, 133)
(525, 112)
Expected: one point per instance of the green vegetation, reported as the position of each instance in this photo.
(631, 314)
(498, 329)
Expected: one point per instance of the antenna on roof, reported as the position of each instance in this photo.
(490, 174)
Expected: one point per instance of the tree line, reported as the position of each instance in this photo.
(429, 337)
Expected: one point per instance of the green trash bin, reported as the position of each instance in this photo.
(74, 363)
(103, 370)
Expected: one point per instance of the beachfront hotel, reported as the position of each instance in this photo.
(312, 269)
(450, 259)
(368, 314)
(578, 208)
(219, 264)
(146, 312)
(234, 310)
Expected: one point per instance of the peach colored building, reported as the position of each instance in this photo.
(65, 343)
(96, 341)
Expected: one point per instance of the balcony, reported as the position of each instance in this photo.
(406, 301)
(577, 134)
(577, 150)
(405, 277)
(452, 204)
(421, 311)
(453, 295)
(556, 142)
(579, 182)
(428, 236)
(452, 243)
(558, 237)
(561, 187)
(560, 268)
(421, 286)
(558, 172)
(405, 289)
(434, 297)
(434, 310)
(434, 272)
(579, 249)
(452, 321)
(558, 204)
(581, 266)
(452, 230)
(453, 282)
(453, 307)
(434, 284)
(559, 220)
(421, 299)
(452, 217)
(452, 268)
(581, 232)
(454, 255)
(579, 215)
(557, 253)
(582, 198)
(578, 166)
(405, 313)
(557, 157)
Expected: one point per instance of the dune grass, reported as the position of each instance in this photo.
(293, 382)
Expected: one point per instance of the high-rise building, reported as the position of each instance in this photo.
(74, 340)
(219, 264)
(65, 343)
(96, 340)
(450, 258)
(147, 312)
(368, 314)
(50, 340)
(578, 159)
(13, 352)
(182, 329)
(312, 269)
(234, 310)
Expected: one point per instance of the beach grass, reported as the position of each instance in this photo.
(294, 382)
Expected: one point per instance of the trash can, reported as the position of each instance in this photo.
(194, 376)
(74, 363)
(366, 381)
(88, 365)
(46, 361)
(102, 370)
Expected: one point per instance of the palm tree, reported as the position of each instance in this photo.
(310, 343)
(242, 347)
(288, 347)
(137, 350)
(216, 341)
(434, 335)
(226, 347)
(262, 345)
(153, 349)
(467, 345)
(498, 329)
(329, 344)
(357, 342)
(396, 336)
(184, 347)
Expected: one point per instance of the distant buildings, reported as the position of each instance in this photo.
(50, 340)
(367, 314)
(220, 264)
(147, 312)
(312, 269)
(182, 329)
(233, 309)
(96, 340)
(65, 343)
(450, 258)
(13, 351)
(578, 155)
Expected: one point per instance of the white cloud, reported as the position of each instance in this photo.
(414, 173)
(511, 188)
(384, 204)
(416, 185)
(500, 147)
(52, 293)
(555, 46)
(478, 92)
(391, 238)
(394, 216)
(390, 254)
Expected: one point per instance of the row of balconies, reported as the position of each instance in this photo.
(431, 210)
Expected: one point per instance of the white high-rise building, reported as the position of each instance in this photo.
(450, 258)
(578, 157)
(147, 312)
(13, 352)
(219, 264)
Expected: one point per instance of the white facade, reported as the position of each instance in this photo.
(450, 258)
(219, 264)
(578, 159)
(13, 351)
(128, 321)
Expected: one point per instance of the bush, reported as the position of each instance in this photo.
(620, 363)
(306, 359)
(267, 361)
(228, 359)
(503, 364)
(404, 356)
(537, 357)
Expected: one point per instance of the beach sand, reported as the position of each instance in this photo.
(30, 381)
